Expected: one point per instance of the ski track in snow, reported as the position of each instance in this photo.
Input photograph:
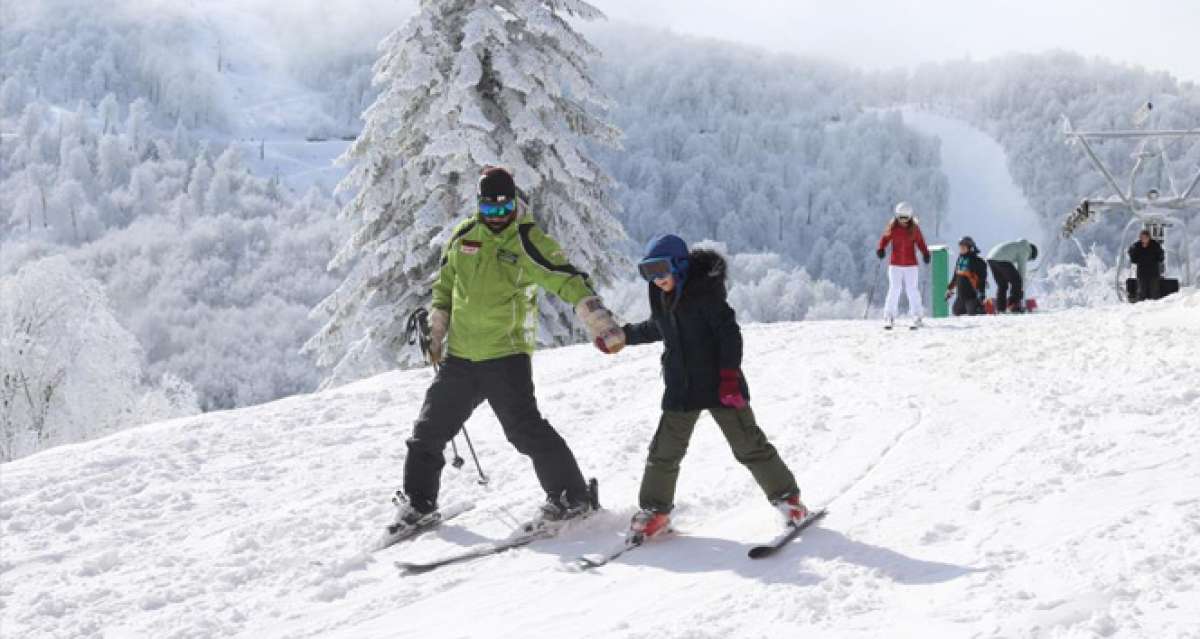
(987, 477)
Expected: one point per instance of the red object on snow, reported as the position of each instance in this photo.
(989, 306)
(1030, 305)
(905, 241)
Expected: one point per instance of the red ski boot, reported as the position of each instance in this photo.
(647, 524)
(793, 510)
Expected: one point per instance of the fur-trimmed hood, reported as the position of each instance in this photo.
(706, 274)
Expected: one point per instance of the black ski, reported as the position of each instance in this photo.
(475, 552)
(596, 559)
(768, 549)
(525, 535)
(391, 536)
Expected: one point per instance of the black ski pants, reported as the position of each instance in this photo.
(966, 300)
(1007, 277)
(507, 385)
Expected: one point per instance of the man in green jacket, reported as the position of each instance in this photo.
(485, 302)
(1008, 262)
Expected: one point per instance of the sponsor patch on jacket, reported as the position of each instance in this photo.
(470, 247)
(506, 256)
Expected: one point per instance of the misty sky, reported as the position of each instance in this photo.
(1159, 34)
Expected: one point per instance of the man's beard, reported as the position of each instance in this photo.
(499, 224)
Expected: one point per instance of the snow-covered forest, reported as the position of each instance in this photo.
(1021, 100)
(184, 164)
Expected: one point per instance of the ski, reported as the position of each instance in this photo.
(391, 537)
(770, 548)
(598, 559)
(526, 534)
(475, 552)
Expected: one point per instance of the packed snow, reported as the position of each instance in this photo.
(1028, 476)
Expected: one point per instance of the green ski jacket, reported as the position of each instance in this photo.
(488, 283)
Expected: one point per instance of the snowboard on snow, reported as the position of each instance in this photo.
(793, 531)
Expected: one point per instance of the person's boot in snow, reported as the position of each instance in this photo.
(555, 512)
(647, 524)
(408, 516)
(918, 322)
(792, 509)
(889, 322)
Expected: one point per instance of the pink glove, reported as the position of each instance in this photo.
(730, 391)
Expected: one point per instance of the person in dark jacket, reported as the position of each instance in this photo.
(1148, 256)
(701, 367)
(969, 282)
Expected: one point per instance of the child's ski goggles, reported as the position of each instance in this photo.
(487, 208)
(655, 268)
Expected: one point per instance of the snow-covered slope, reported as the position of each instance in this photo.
(1011, 477)
(985, 202)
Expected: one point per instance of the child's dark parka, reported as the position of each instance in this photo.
(700, 332)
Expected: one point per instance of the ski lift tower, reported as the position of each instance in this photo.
(1155, 212)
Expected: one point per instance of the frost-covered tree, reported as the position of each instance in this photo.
(68, 370)
(466, 83)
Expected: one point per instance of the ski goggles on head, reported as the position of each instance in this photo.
(488, 208)
(655, 268)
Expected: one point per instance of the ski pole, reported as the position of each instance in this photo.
(871, 291)
(418, 333)
(483, 479)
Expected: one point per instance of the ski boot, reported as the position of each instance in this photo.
(889, 322)
(408, 517)
(917, 323)
(557, 511)
(792, 509)
(647, 524)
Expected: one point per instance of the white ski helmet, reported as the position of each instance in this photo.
(904, 211)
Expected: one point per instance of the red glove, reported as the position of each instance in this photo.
(602, 346)
(730, 391)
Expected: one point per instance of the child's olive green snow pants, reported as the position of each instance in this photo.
(749, 444)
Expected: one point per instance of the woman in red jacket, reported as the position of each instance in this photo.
(904, 234)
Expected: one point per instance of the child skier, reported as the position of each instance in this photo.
(702, 371)
(970, 279)
(904, 234)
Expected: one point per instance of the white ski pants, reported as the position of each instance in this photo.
(906, 278)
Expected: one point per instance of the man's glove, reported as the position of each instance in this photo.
(880, 253)
(949, 294)
(603, 347)
(926, 257)
(600, 324)
(730, 390)
(439, 325)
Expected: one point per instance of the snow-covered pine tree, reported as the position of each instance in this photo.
(466, 83)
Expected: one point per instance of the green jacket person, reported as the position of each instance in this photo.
(485, 307)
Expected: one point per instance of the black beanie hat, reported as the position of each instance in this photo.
(496, 184)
